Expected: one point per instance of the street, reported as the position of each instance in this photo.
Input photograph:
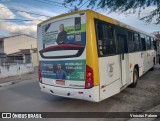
(26, 96)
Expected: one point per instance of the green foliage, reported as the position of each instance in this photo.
(123, 6)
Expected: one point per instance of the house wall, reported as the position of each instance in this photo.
(15, 70)
(34, 59)
(14, 44)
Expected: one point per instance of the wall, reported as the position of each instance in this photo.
(14, 70)
(34, 59)
(14, 44)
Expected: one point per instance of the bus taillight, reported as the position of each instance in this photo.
(89, 83)
(39, 75)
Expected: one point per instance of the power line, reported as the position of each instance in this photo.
(12, 9)
(83, 4)
(47, 3)
(57, 3)
(19, 19)
(53, 3)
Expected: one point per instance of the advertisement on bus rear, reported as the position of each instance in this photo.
(61, 42)
(65, 70)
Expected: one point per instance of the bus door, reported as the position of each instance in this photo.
(144, 54)
(147, 55)
(123, 58)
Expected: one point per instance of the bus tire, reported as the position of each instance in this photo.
(135, 78)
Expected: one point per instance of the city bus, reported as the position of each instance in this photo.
(89, 56)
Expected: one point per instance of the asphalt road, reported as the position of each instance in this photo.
(26, 96)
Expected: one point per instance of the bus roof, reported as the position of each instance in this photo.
(103, 17)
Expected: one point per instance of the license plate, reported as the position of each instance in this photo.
(60, 82)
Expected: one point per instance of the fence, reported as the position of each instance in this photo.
(15, 70)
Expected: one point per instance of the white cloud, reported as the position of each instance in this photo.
(37, 19)
(46, 12)
(26, 15)
(11, 27)
(29, 16)
(5, 12)
(27, 27)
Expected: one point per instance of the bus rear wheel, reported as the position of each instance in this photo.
(135, 78)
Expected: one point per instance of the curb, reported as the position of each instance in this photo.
(13, 82)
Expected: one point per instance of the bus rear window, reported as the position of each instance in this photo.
(62, 51)
(67, 32)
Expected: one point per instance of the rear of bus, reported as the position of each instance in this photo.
(63, 50)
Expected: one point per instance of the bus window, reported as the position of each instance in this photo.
(152, 43)
(155, 44)
(109, 39)
(134, 43)
(130, 42)
(148, 43)
(99, 37)
(105, 39)
(143, 44)
(64, 38)
(137, 46)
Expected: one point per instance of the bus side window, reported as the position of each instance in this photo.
(148, 43)
(130, 42)
(111, 39)
(152, 44)
(105, 39)
(155, 44)
(99, 33)
(137, 46)
(143, 44)
(109, 46)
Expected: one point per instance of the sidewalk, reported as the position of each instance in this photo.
(17, 78)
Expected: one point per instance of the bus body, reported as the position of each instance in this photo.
(89, 56)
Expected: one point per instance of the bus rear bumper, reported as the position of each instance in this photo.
(84, 94)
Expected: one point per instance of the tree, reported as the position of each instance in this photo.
(123, 6)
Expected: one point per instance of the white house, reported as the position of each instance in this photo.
(18, 49)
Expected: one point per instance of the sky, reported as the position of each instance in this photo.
(8, 10)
